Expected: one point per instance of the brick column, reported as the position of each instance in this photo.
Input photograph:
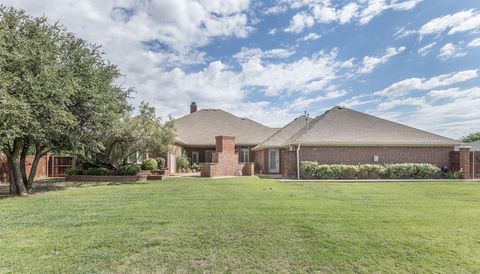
(465, 161)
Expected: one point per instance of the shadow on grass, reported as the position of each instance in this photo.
(59, 184)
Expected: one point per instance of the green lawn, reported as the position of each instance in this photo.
(244, 225)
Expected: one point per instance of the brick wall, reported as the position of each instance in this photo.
(225, 160)
(438, 156)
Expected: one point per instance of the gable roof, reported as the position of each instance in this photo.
(283, 134)
(201, 127)
(343, 126)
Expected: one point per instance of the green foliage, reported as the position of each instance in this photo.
(195, 167)
(149, 164)
(313, 170)
(472, 137)
(183, 163)
(455, 175)
(98, 171)
(162, 163)
(129, 135)
(130, 170)
(73, 171)
(370, 171)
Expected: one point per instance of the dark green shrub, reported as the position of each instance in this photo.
(162, 163)
(454, 175)
(130, 170)
(99, 171)
(73, 171)
(149, 164)
(183, 163)
(370, 171)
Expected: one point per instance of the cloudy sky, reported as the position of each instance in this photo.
(416, 62)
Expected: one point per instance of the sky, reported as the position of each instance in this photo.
(416, 62)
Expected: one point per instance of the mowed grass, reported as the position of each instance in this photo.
(244, 225)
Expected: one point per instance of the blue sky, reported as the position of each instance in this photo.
(416, 62)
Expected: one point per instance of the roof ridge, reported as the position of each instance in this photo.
(304, 129)
(393, 122)
(280, 129)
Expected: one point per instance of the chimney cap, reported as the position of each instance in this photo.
(193, 107)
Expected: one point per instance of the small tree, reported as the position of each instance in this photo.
(129, 136)
(472, 137)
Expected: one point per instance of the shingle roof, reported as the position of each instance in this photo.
(475, 146)
(343, 126)
(201, 127)
(283, 134)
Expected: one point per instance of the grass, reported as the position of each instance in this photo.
(244, 225)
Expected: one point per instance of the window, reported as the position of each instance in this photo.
(243, 155)
(208, 156)
(195, 159)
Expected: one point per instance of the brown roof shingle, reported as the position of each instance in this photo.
(201, 127)
(343, 126)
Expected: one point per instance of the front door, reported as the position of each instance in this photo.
(273, 161)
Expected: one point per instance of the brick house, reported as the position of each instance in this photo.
(340, 135)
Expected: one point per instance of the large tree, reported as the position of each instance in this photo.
(56, 93)
(472, 137)
(130, 136)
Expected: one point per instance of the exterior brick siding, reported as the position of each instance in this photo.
(438, 156)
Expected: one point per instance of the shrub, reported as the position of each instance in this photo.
(183, 163)
(411, 171)
(100, 171)
(149, 164)
(73, 171)
(195, 167)
(370, 171)
(312, 170)
(130, 170)
(162, 163)
(454, 175)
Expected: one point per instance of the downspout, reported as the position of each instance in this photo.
(298, 161)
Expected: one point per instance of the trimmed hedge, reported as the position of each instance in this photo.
(73, 171)
(313, 170)
(130, 170)
(100, 171)
(149, 164)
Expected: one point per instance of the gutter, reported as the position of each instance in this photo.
(298, 161)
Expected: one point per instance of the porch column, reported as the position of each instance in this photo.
(465, 161)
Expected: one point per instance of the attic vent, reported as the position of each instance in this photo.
(341, 107)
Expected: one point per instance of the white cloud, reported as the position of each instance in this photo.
(474, 43)
(299, 22)
(246, 54)
(311, 37)
(426, 49)
(462, 21)
(323, 12)
(303, 102)
(450, 50)
(371, 62)
(408, 85)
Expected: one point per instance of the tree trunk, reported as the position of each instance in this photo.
(11, 178)
(23, 161)
(13, 157)
(39, 153)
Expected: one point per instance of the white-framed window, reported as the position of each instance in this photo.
(208, 156)
(243, 155)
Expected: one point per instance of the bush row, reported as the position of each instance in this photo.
(313, 170)
(126, 170)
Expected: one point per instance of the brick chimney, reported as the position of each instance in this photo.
(193, 107)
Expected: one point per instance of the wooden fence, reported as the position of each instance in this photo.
(49, 166)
